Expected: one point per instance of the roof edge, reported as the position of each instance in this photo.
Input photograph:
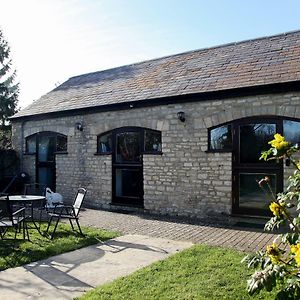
(282, 87)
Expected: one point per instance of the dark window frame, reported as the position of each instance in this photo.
(141, 130)
(98, 139)
(144, 139)
(246, 119)
(47, 133)
(227, 150)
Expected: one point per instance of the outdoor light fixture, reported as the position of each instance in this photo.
(79, 126)
(181, 116)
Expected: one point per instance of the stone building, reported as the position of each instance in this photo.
(177, 135)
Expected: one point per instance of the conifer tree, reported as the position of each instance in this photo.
(8, 92)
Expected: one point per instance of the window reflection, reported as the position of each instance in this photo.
(47, 142)
(128, 147)
(31, 144)
(291, 131)
(254, 139)
(152, 141)
(61, 143)
(127, 144)
(221, 138)
(250, 194)
(105, 143)
(46, 148)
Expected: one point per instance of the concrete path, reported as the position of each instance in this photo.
(68, 275)
(204, 232)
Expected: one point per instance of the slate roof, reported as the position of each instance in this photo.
(268, 60)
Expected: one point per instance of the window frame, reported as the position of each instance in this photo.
(98, 138)
(46, 133)
(228, 150)
(142, 132)
(281, 120)
(144, 140)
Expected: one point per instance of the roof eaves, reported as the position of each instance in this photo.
(281, 87)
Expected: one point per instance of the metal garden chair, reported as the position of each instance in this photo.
(10, 219)
(70, 212)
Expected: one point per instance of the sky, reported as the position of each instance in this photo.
(53, 40)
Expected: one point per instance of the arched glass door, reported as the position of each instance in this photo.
(128, 167)
(250, 138)
(45, 145)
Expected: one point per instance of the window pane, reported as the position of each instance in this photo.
(251, 195)
(291, 131)
(46, 177)
(128, 183)
(61, 143)
(152, 141)
(254, 139)
(221, 138)
(105, 143)
(31, 144)
(128, 147)
(46, 148)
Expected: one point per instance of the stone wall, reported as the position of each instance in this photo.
(185, 179)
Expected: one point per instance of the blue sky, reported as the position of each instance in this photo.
(52, 40)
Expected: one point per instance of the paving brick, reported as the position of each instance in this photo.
(223, 235)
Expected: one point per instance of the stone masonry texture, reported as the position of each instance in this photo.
(185, 180)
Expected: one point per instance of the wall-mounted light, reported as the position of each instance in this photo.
(79, 126)
(181, 116)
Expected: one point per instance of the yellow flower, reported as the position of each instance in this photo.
(298, 165)
(279, 142)
(295, 249)
(276, 209)
(274, 253)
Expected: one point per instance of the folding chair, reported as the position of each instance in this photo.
(70, 212)
(10, 219)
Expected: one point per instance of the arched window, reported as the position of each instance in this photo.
(220, 138)
(58, 142)
(150, 139)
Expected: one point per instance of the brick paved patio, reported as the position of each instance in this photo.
(244, 239)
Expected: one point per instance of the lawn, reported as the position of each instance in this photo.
(40, 247)
(200, 272)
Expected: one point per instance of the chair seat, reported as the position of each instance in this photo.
(54, 205)
(6, 223)
(63, 216)
(10, 223)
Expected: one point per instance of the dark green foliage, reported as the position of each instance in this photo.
(8, 93)
(8, 90)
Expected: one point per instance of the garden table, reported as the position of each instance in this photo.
(30, 201)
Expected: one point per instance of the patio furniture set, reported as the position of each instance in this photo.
(18, 211)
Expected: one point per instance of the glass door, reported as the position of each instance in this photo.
(128, 168)
(250, 139)
(45, 160)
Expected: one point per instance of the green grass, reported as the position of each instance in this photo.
(200, 272)
(40, 247)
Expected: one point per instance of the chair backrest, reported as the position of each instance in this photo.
(35, 189)
(78, 200)
(5, 208)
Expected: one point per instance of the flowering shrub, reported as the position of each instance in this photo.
(279, 264)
